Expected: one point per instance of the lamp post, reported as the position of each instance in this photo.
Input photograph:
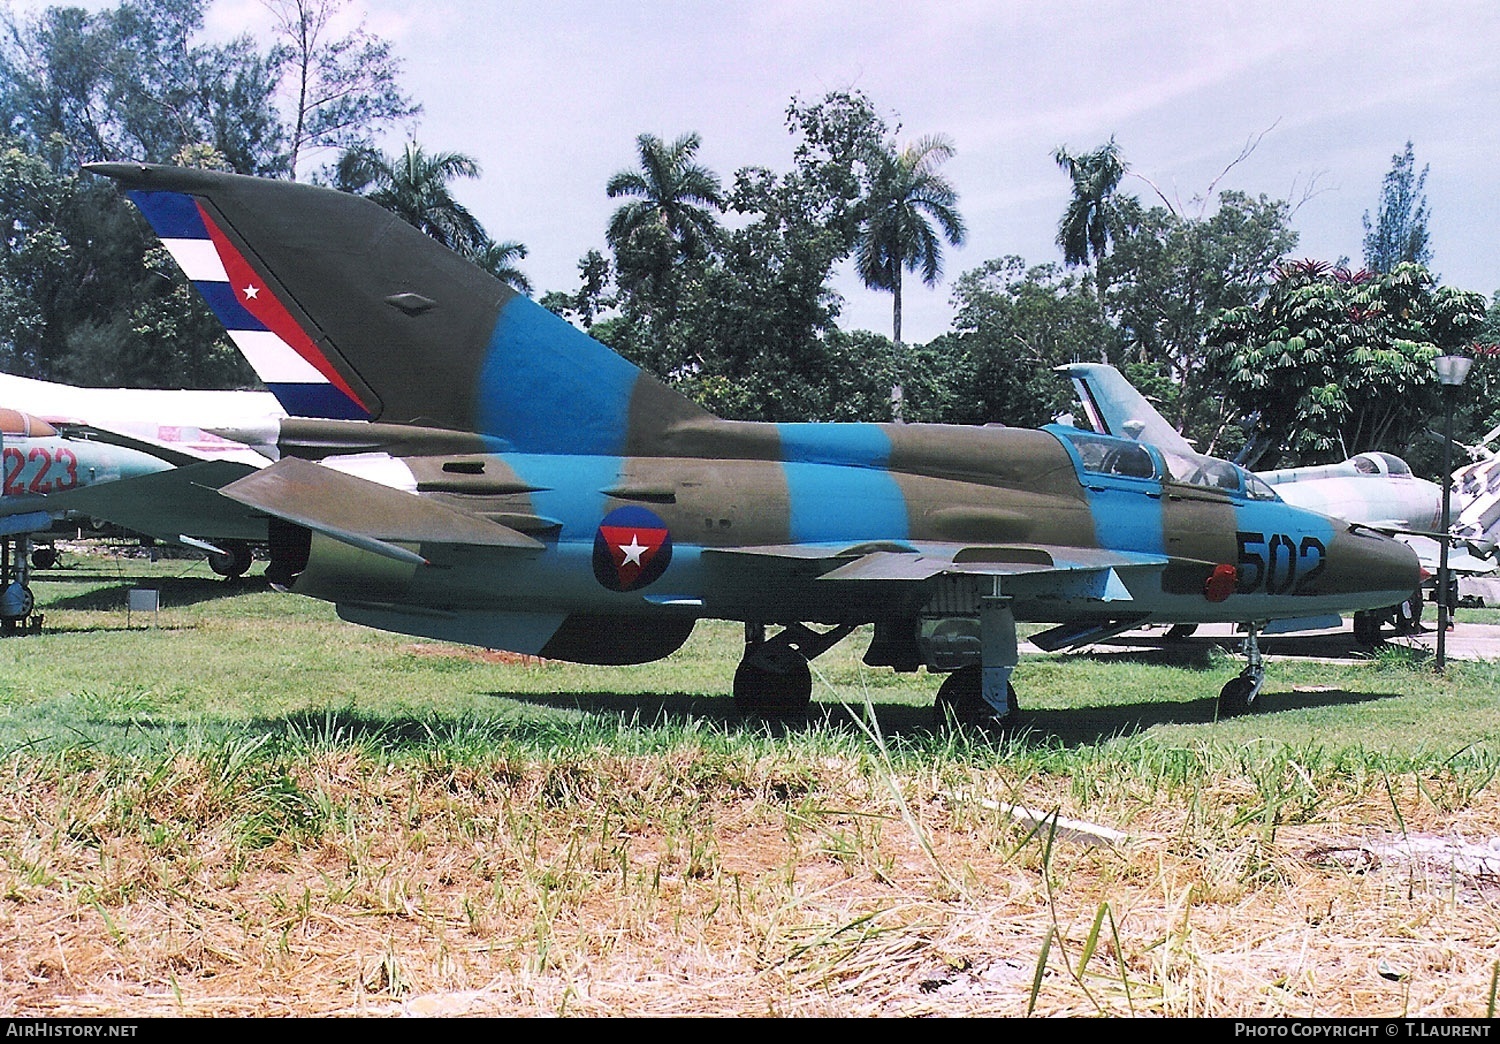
(1451, 371)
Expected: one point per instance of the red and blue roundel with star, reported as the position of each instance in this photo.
(631, 549)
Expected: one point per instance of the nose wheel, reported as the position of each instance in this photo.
(1242, 694)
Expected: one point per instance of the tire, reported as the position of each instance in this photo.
(44, 557)
(960, 701)
(1177, 632)
(773, 682)
(1367, 627)
(233, 563)
(1240, 696)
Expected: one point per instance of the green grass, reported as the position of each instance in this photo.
(230, 658)
(333, 814)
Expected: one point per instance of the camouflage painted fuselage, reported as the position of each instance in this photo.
(491, 474)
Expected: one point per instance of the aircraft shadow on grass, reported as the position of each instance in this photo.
(1073, 726)
(176, 591)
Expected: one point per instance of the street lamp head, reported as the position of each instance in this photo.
(1452, 369)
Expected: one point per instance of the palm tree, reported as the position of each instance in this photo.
(414, 186)
(895, 234)
(672, 216)
(499, 260)
(1086, 229)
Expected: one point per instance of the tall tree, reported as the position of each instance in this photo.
(749, 329)
(499, 260)
(1399, 232)
(416, 187)
(130, 83)
(671, 214)
(1171, 276)
(895, 233)
(1336, 362)
(1088, 223)
(1013, 325)
(342, 89)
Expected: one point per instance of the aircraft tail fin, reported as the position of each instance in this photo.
(1114, 407)
(347, 312)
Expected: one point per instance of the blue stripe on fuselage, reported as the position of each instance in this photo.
(547, 387)
(1127, 513)
(569, 489)
(1259, 524)
(839, 484)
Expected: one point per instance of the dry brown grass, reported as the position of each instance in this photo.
(624, 886)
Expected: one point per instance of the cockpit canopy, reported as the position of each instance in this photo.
(1108, 455)
(1377, 463)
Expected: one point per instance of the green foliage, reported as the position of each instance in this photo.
(1399, 232)
(415, 187)
(742, 317)
(672, 217)
(1337, 362)
(130, 83)
(1088, 224)
(86, 295)
(83, 298)
(1170, 276)
(1013, 326)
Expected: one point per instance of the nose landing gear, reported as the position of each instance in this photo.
(1242, 694)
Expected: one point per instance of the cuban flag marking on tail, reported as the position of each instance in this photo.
(280, 351)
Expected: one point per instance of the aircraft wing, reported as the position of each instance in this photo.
(365, 514)
(173, 504)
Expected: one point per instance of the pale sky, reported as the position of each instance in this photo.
(549, 98)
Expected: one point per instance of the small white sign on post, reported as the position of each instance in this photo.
(142, 600)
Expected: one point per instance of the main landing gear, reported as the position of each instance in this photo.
(960, 701)
(1405, 617)
(1242, 694)
(981, 693)
(17, 603)
(774, 679)
(232, 561)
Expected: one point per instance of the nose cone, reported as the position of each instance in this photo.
(1369, 571)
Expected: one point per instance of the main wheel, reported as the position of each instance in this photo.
(1367, 627)
(1240, 696)
(773, 681)
(233, 562)
(1177, 632)
(16, 602)
(43, 557)
(960, 699)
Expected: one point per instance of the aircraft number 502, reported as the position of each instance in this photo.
(1277, 563)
